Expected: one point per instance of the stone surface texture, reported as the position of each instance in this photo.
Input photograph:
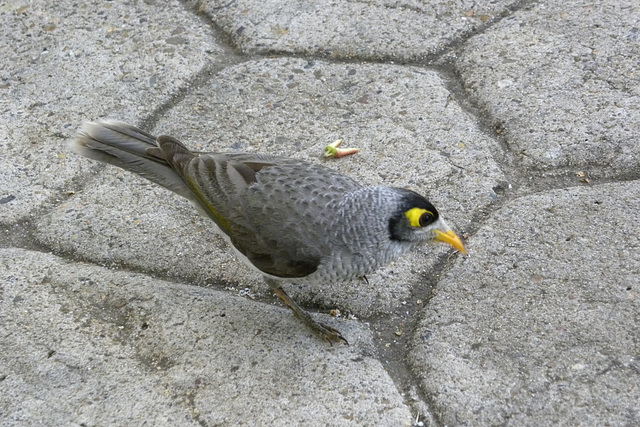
(120, 305)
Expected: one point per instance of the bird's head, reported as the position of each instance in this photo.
(416, 220)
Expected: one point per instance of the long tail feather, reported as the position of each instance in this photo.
(131, 149)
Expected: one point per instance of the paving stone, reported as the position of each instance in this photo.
(71, 62)
(378, 30)
(560, 79)
(86, 345)
(539, 326)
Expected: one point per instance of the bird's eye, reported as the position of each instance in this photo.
(426, 218)
(419, 217)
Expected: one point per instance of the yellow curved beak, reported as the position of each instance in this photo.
(450, 238)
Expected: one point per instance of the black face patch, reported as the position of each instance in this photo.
(411, 199)
(414, 211)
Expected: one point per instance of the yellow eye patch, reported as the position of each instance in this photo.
(415, 214)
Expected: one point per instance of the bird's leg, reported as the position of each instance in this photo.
(326, 331)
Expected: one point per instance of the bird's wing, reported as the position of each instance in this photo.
(291, 209)
(276, 211)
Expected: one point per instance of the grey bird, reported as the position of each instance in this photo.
(290, 220)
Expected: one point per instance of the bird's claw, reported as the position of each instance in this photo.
(330, 334)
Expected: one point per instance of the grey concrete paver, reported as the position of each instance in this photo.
(382, 29)
(536, 327)
(71, 62)
(411, 134)
(561, 81)
(539, 325)
(83, 344)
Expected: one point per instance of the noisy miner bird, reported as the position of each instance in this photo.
(290, 220)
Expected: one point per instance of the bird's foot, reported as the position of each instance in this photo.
(327, 332)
